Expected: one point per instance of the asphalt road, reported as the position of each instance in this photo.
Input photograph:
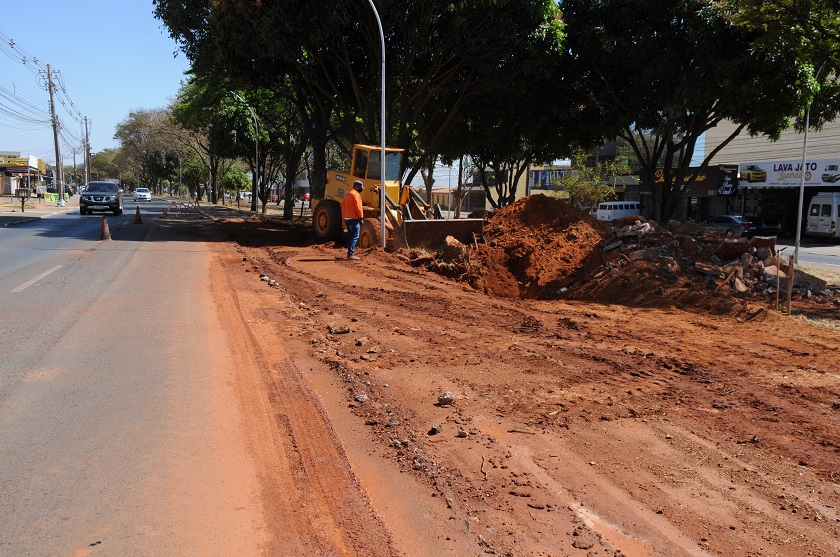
(816, 253)
(118, 430)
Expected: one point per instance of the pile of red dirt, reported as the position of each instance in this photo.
(535, 247)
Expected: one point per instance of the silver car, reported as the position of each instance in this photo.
(142, 194)
(730, 225)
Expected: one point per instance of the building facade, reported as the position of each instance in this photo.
(21, 172)
(773, 197)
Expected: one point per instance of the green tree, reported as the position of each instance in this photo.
(807, 30)
(145, 136)
(263, 120)
(103, 164)
(532, 114)
(234, 181)
(589, 185)
(663, 72)
(195, 110)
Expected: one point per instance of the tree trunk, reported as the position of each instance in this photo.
(293, 158)
(318, 179)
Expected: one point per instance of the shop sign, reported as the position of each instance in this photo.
(24, 162)
(728, 180)
(713, 180)
(788, 174)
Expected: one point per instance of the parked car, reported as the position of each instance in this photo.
(754, 173)
(304, 197)
(770, 225)
(101, 196)
(730, 225)
(142, 194)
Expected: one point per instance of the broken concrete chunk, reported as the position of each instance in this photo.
(712, 270)
(446, 398)
(773, 271)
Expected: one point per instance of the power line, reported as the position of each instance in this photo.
(10, 48)
(22, 92)
(22, 107)
(26, 110)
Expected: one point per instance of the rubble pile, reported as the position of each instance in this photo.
(685, 265)
(542, 248)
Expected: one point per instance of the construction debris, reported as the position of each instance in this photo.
(542, 248)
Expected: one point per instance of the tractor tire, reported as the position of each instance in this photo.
(369, 234)
(326, 220)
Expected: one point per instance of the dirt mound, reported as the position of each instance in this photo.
(543, 248)
(534, 247)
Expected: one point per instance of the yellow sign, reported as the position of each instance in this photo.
(30, 162)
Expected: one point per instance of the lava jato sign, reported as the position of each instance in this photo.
(788, 174)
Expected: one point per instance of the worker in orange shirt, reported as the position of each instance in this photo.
(351, 211)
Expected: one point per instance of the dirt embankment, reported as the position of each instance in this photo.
(614, 417)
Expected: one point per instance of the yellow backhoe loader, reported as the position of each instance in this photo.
(410, 222)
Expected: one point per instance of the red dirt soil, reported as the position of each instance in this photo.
(649, 411)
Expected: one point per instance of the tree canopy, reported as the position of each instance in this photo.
(663, 72)
(808, 30)
(443, 58)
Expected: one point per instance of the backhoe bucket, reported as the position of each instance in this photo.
(431, 234)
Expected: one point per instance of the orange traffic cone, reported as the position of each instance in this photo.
(137, 219)
(106, 233)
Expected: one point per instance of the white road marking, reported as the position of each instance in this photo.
(29, 283)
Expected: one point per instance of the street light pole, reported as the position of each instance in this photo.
(382, 133)
(256, 153)
(802, 176)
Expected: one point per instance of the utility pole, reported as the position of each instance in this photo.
(87, 152)
(58, 174)
(75, 177)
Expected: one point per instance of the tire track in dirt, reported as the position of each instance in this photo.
(314, 503)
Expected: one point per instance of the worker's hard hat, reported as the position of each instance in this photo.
(358, 183)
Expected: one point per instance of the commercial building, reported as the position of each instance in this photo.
(18, 171)
(771, 171)
(751, 176)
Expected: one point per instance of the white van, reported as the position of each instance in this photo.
(613, 210)
(831, 173)
(824, 215)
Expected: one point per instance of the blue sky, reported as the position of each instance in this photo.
(112, 56)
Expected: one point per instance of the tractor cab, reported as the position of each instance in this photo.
(367, 167)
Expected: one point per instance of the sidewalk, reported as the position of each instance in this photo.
(11, 214)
